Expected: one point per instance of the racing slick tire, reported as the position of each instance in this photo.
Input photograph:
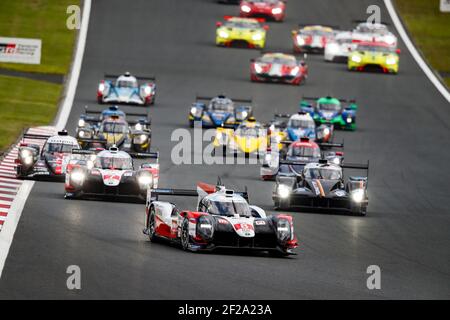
(151, 226)
(185, 238)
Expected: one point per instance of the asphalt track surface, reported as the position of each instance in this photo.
(403, 126)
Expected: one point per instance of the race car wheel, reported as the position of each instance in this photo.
(151, 225)
(185, 241)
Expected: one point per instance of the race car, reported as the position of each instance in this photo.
(110, 174)
(113, 129)
(126, 89)
(377, 32)
(302, 151)
(374, 56)
(311, 38)
(278, 67)
(269, 9)
(301, 125)
(338, 48)
(222, 219)
(341, 113)
(48, 163)
(249, 138)
(219, 111)
(321, 186)
(247, 32)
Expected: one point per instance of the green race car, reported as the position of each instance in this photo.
(341, 113)
(374, 56)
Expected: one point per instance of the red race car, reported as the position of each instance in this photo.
(312, 38)
(270, 9)
(278, 67)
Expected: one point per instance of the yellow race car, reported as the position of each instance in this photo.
(250, 137)
(374, 56)
(247, 32)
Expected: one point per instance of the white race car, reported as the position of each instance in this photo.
(374, 32)
(338, 49)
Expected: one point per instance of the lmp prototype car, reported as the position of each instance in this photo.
(247, 32)
(311, 38)
(269, 9)
(321, 186)
(374, 56)
(303, 151)
(126, 89)
(110, 174)
(341, 113)
(378, 32)
(250, 138)
(338, 49)
(278, 67)
(112, 128)
(50, 162)
(222, 219)
(220, 111)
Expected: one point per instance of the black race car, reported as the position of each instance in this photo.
(321, 186)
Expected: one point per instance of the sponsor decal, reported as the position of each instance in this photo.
(20, 50)
(260, 222)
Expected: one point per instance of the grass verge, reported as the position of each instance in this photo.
(430, 30)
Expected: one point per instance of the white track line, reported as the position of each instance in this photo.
(416, 55)
(14, 213)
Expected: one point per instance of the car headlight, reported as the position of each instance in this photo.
(349, 120)
(257, 37)
(26, 156)
(246, 8)
(241, 115)
(294, 71)
(300, 41)
(138, 127)
(101, 87)
(140, 139)
(81, 123)
(283, 229)
(276, 11)
(390, 60)
(326, 131)
(283, 191)
(356, 59)
(145, 180)
(336, 160)
(77, 176)
(223, 34)
(196, 112)
(84, 134)
(358, 195)
(389, 40)
(258, 68)
(147, 90)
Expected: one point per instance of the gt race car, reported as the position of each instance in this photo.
(107, 128)
(246, 32)
(374, 56)
(278, 67)
(338, 48)
(110, 174)
(48, 163)
(303, 151)
(341, 113)
(222, 219)
(126, 89)
(219, 111)
(269, 9)
(321, 186)
(376, 32)
(311, 38)
(250, 138)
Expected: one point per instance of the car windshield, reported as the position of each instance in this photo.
(323, 173)
(278, 60)
(222, 105)
(60, 147)
(113, 163)
(229, 208)
(329, 106)
(316, 32)
(297, 123)
(126, 84)
(384, 49)
(114, 127)
(242, 24)
(302, 151)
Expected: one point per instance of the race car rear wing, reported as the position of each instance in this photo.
(330, 145)
(115, 76)
(206, 98)
(340, 99)
(148, 155)
(318, 24)
(185, 193)
(35, 136)
(128, 114)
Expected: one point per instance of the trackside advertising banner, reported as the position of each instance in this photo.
(20, 50)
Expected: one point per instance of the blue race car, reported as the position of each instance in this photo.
(220, 111)
(341, 113)
(126, 89)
